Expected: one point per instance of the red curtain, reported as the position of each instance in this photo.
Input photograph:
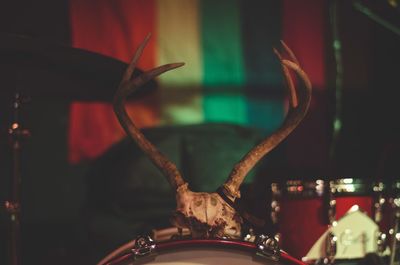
(304, 27)
(113, 28)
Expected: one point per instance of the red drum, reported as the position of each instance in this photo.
(348, 192)
(303, 210)
(388, 210)
(202, 251)
(298, 211)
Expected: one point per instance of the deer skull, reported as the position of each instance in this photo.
(207, 215)
(211, 215)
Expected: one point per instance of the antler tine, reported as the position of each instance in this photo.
(299, 102)
(290, 53)
(127, 86)
(289, 82)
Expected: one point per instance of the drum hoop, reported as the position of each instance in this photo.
(187, 243)
(297, 188)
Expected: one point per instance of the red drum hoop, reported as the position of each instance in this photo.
(248, 248)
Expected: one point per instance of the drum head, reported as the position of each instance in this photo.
(204, 252)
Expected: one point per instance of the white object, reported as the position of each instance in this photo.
(355, 234)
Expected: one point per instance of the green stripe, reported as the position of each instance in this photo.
(222, 62)
(266, 112)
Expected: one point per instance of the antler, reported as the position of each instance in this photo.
(210, 214)
(128, 85)
(299, 102)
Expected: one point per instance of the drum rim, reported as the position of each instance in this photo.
(341, 186)
(165, 246)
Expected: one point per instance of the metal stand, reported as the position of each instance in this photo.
(394, 256)
(13, 206)
(330, 247)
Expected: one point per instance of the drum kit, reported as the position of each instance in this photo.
(322, 221)
(355, 220)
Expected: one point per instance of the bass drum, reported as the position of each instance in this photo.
(195, 251)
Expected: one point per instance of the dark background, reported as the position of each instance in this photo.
(49, 215)
(367, 147)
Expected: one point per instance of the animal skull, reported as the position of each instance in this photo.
(212, 215)
(207, 215)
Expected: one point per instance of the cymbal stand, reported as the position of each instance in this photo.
(13, 206)
(331, 239)
(395, 249)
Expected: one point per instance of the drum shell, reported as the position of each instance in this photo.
(301, 223)
(303, 212)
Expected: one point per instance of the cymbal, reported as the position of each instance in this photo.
(40, 68)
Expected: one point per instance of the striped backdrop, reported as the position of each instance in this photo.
(230, 75)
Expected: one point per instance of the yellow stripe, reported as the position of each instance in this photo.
(178, 40)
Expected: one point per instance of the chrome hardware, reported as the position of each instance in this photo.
(378, 208)
(275, 205)
(278, 237)
(332, 210)
(346, 185)
(381, 243)
(396, 203)
(330, 248)
(275, 208)
(250, 236)
(268, 247)
(329, 203)
(378, 187)
(144, 246)
(380, 200)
